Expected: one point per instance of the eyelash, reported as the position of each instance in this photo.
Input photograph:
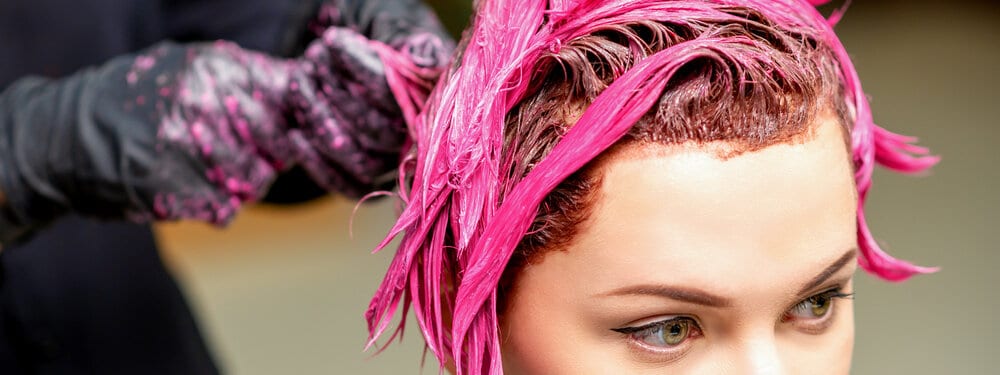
(638, 335)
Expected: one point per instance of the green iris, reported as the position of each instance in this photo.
(819, 305)
(675, 332)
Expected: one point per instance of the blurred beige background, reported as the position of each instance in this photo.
(282, 290)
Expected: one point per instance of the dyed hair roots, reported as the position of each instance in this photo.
(466, 213)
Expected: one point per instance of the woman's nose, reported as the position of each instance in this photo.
(761, 357)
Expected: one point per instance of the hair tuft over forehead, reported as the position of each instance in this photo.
(491, 147)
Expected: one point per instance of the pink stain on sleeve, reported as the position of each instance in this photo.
(232, 105)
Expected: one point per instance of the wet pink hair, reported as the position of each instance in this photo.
(465, 214)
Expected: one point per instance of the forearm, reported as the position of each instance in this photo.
(193, 132)
(92, 143)
(185, 132)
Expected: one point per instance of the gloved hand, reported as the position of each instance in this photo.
(192, 132)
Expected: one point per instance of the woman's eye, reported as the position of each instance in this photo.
(814, 313)
(671, 333)
(665, 333)
(814, 307)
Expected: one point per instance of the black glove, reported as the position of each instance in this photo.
(192, 132)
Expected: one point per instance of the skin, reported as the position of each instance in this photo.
(733, 245)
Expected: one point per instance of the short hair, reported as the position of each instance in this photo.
(542, 88)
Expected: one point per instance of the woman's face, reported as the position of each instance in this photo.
(694, 264)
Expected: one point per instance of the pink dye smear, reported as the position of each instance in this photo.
(456, 166)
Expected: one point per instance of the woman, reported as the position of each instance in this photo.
(633, 187)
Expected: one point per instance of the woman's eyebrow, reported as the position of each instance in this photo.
(837, 265)
(701, 297)
(682, 294)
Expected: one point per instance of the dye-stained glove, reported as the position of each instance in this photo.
(194, 131)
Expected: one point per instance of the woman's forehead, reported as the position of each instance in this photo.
(787, 210)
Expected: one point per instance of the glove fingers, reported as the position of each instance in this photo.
(341, 168)
(345, 58)
(427, 50)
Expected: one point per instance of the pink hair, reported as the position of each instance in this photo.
(458, 232)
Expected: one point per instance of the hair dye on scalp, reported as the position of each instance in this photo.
(471, 198)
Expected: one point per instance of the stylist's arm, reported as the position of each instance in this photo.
(195, 131)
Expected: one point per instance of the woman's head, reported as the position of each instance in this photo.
(578, 148)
